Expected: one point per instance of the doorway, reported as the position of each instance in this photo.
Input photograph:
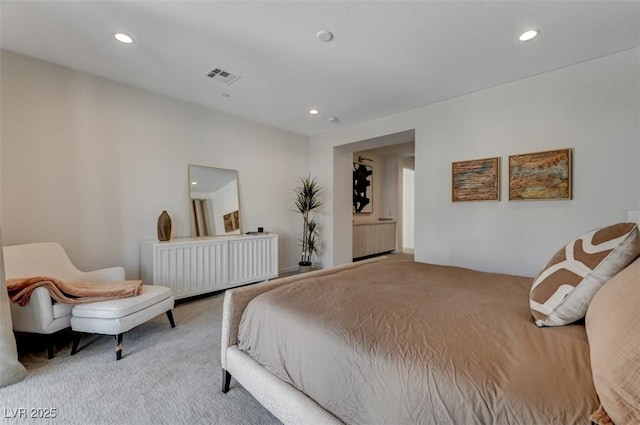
(408, 210)
(390, 153)
(391, 200)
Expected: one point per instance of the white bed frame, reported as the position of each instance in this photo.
(283, 400)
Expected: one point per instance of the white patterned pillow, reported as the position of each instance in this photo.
(564, 288)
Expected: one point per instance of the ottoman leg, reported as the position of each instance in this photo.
(119, 346)
(170, 316)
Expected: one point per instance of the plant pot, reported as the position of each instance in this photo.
(304, 267)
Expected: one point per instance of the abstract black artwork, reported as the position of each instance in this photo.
(362, 188)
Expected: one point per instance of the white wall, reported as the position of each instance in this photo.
(391, 188)
(407, 229)
(91, 163)
(592, 107)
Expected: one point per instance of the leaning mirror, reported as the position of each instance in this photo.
(215, 209)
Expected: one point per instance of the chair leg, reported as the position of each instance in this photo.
(170, 316)
(50, 340)
(119, 346)
(76, 342)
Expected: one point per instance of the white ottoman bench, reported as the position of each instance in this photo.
(116, 317)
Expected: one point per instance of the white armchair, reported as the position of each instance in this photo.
(43, 315)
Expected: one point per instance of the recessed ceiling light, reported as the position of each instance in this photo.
(194, 182)
(333, 119)
(123, 38)
(226, 94)
(528, 35)
(324, 35)
(314, 112)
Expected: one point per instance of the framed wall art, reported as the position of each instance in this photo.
(231, 221)
(476, 180)
(362, 188)
(540, 175)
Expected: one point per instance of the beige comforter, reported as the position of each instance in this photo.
(411, 343)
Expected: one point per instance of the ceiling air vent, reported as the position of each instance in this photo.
(223, 76)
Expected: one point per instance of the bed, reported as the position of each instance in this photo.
(399, 342)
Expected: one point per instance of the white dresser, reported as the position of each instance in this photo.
(193, 266)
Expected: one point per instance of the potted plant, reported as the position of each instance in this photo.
(308, 199)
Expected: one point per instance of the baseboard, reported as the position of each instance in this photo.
(286, 271)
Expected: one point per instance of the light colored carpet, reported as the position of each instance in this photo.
(166, 376)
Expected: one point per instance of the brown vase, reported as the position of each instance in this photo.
(164, 226)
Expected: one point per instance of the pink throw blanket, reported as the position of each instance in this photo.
(20, 290)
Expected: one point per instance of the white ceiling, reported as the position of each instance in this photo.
(386, 56)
